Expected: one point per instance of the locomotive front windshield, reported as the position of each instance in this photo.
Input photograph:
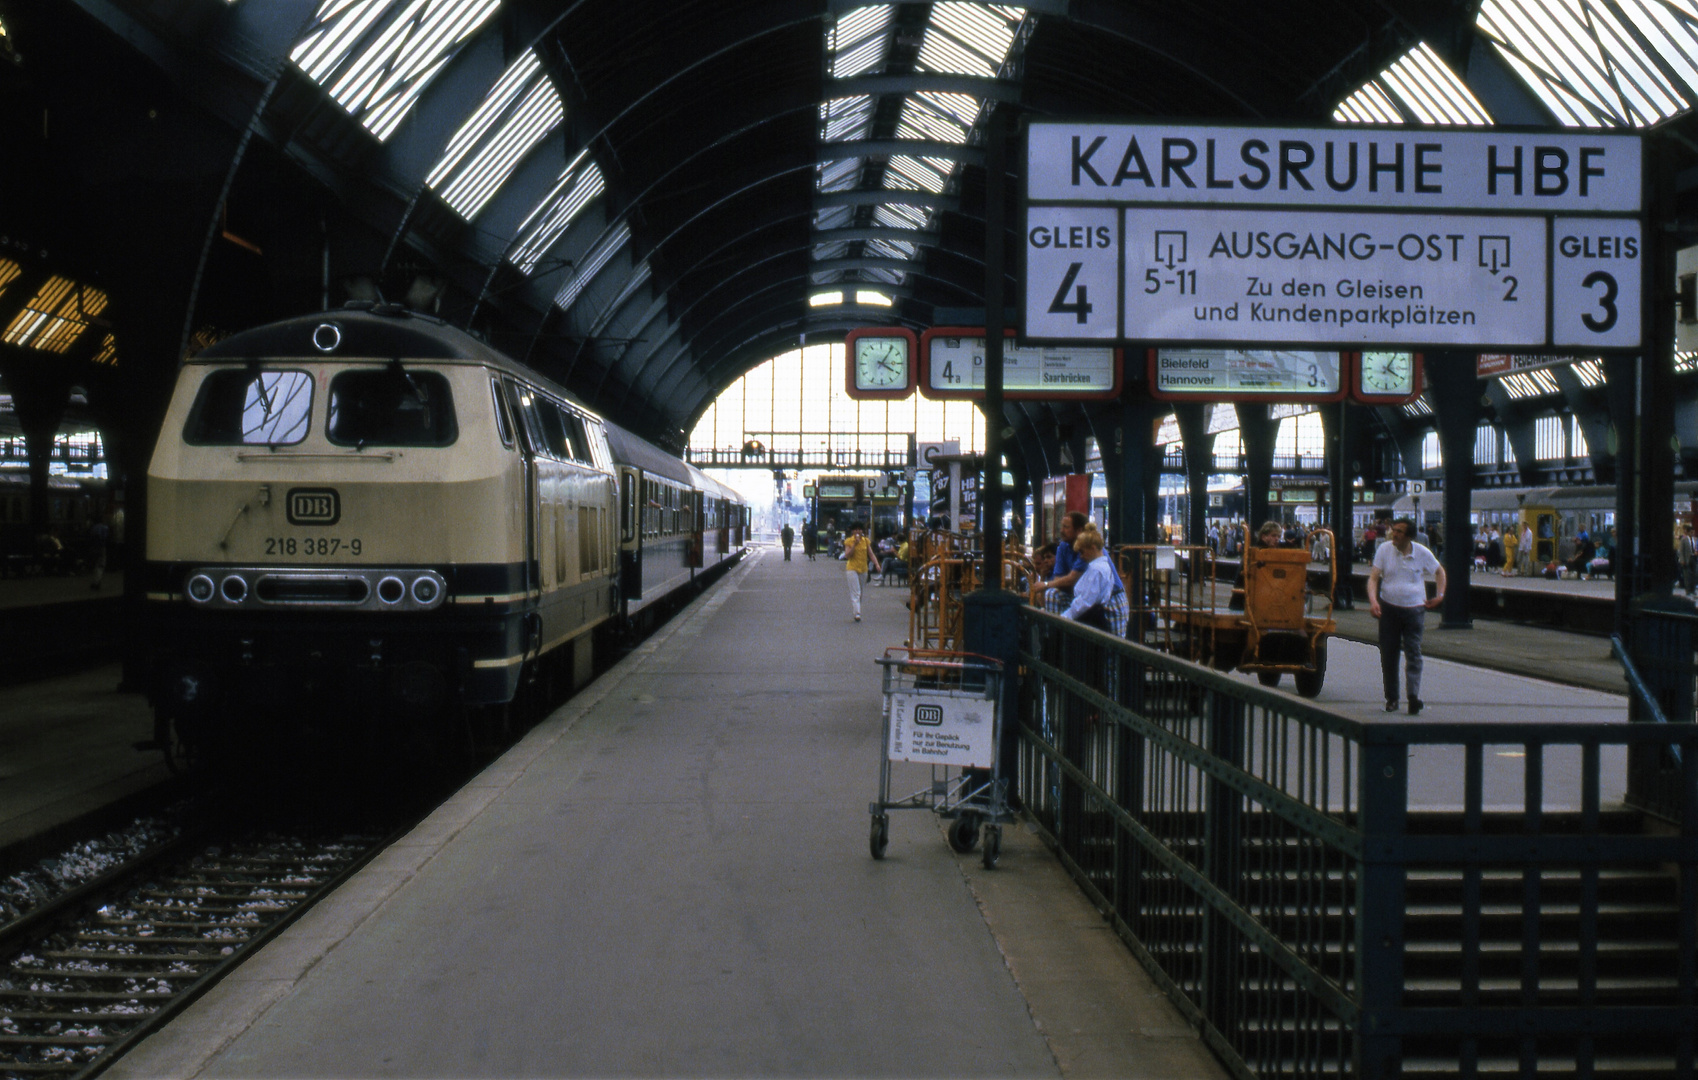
(391, 407)
(243, 407)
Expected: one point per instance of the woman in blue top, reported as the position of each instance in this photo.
(1097, 584)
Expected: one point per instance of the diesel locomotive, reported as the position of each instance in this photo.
(370, 520)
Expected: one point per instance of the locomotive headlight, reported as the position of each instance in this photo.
(425, 591)
(201, 588)
(391, 590)
(234, 589)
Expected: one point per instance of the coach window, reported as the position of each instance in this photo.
(391, 407)
(503, 422)
(243, 407)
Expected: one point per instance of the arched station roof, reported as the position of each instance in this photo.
(640, 199)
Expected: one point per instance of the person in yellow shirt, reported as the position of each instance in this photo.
(855, 551)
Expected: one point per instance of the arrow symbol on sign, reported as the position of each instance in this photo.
(1496, 250)
(1170, 246)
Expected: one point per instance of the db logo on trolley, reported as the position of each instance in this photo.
(928, 715)
(313, 506)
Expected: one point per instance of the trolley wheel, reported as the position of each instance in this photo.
(1268, 678)
(1309, 682)
(879, 836)
(993, 845)
(964, 833)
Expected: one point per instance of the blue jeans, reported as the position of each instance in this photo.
(1400, 629)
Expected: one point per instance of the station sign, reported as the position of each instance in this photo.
(1246, 375)
(1341, 237)
(952, 367)
(1487, 365)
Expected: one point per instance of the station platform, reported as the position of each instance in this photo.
(52, 622)
(67, 752)
(670, 876)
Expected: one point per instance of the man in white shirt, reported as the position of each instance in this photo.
(1399, 579)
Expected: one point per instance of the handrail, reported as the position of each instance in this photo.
(1637, 681)
(1641, 690)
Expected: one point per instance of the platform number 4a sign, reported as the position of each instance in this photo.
(1073, 273)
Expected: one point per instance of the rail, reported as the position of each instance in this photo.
(1279, 873)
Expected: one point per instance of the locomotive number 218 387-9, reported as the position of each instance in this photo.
(310, 545)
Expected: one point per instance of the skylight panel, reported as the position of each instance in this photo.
(1587, 65)
(877, 299)
(1432, 91)
(900, 216)
(825, 299)
(912, 174)
(590, 265)
(1526, 384)
(1589, 372)
(9, 271)
(892, 249)
(1686, 361)
(520, 110)
(846, 118)
(1369, 105)
(832, 217)
(888, 277)
(969, 39)
(1418, 407)
(375, 57)
(836, 249)
(924, 116)
(56, 316)
(841, 175)
(579, 184)
(107, 355)
(860, 41)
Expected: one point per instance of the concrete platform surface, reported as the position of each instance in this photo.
(66, 749)
(670, 876)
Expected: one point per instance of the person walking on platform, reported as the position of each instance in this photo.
(810, 540)
(855, 551)
(787, 536)
(98, 534)
(1400, 572)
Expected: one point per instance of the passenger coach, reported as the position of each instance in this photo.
(371, 510)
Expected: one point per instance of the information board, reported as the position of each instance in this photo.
(1336, 278)
(952, 366)
(1228, 374)
(1391, 238)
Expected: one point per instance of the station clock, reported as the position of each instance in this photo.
(1386, 378)
(881, 362)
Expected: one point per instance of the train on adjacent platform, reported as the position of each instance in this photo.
(372, 516)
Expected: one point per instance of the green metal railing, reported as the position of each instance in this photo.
(1325, 897)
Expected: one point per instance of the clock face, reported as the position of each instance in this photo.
(1387, 374)
(881, 363)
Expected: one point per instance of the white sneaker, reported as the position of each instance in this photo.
(857, 618)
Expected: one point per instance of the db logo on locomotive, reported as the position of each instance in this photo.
(313, 506)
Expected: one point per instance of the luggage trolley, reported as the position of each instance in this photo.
(944, 709)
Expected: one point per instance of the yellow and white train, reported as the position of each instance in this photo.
(368, 512)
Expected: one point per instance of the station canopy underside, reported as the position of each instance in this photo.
(645, 200)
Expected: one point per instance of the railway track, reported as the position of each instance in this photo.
(102, 967)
